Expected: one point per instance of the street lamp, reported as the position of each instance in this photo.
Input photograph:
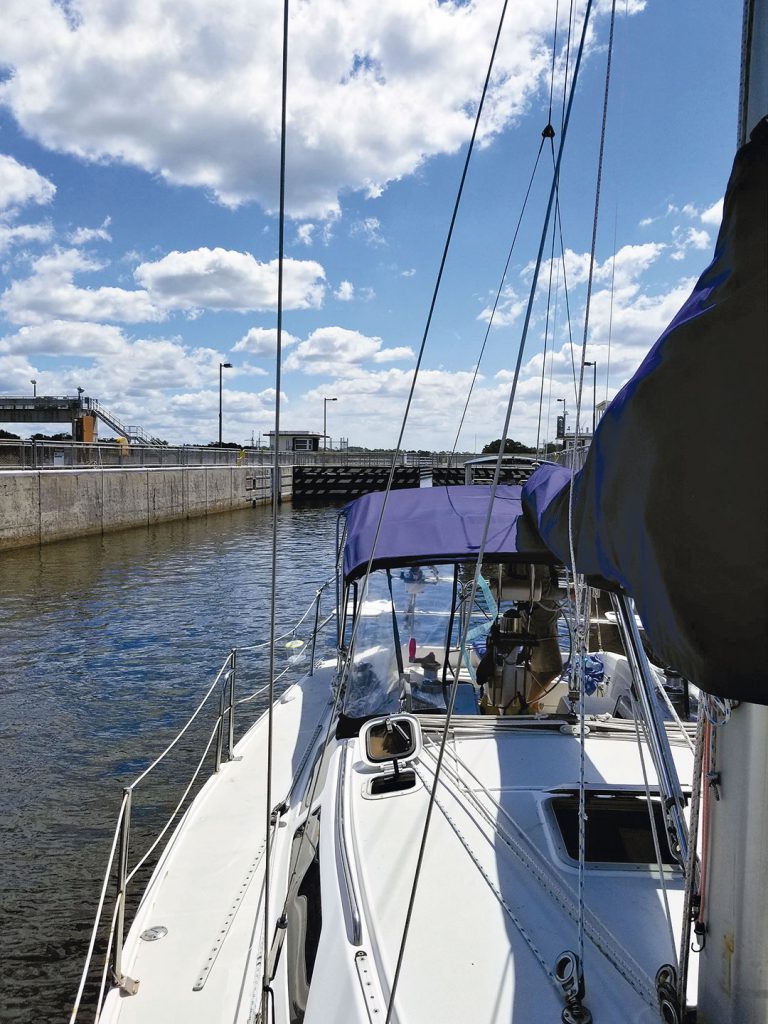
(33, 382)
(80, 395)
(594, 393)
(325, 411)
(222, 366)
(564, 418)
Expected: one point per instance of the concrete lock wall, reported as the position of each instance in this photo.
(41, 506)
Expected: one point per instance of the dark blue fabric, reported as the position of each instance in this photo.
(672, 502)
(437, 525)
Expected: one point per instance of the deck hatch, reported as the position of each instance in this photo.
(618, 828)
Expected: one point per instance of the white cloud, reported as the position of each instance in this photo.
(508, 308)
(689, 238)
(345, 292)
(262, 341)
(24, 233)
(225, 279)
(104, 86)
(82, 236)
(50, 293)
(713, 215)
(369, 228)
(304, 233)
(57, 337)
(20, 185)
(340, 352)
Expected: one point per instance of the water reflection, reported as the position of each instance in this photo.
(107, 644)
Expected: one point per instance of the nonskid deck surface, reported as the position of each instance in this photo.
(207, 887)
(496, 901)
(488, 925)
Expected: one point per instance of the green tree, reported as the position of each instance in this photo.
(510, 447)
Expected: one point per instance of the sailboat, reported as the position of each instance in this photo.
(471, 814)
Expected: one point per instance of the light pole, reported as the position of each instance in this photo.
(33, 382)
(594, 393)
(80, 395)
(564, 418)
(222, 367)
(325, 417)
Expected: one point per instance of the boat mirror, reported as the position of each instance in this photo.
(394, 738)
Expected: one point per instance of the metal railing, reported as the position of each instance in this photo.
(71, 455)
(222, 739)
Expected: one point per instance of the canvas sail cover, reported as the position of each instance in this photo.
(672, 501)
(437, 525)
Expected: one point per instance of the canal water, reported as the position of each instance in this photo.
(107, 645)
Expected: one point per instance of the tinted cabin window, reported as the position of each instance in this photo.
(618, 829)
(304, 915)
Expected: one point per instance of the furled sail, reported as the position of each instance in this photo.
(672, 501)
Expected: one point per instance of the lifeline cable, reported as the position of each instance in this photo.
(344, 671)
(276, 482)
(571, 543)
(498, 297)
(486, 527)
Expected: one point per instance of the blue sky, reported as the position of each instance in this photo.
(138, 188)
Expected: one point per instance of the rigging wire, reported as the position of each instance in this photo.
(344, 671)
(546, 339)
(498, 293)
(486, 526)
(571, 542)
(265, 994)
(547, 133)
(620, 150)
(552, 357)
(435, 293)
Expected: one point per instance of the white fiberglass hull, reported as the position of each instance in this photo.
(497, 899)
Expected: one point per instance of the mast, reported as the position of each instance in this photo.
(733, 967)
(753, 89)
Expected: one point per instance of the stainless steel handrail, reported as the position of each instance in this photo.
(341, 836)
(223, 732)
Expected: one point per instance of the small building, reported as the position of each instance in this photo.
(296, 441)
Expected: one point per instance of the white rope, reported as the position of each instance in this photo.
(530, 858)
(178, 805)
(99, 909)
(692, 879)
(527, 938)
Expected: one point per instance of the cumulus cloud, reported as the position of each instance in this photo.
(340, 352)
(345, 292)
(225, 279)
(20, 185)
(50, 293)
(24, 234)
(262, 341)
(689, 238)
(508, 308)
(713, 215)
(58, 337)
(304, 233)
(92, 82)
(215, 279)
(82, 236)
(369, 229)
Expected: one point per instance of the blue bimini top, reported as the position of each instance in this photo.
(438, 525)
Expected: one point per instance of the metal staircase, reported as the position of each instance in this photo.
(132, 434)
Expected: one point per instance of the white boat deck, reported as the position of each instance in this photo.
(207, 887)
(497, 898)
